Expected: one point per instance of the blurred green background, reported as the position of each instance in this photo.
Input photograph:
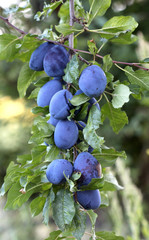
(128, 211)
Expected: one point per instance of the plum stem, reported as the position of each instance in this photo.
(71, 48)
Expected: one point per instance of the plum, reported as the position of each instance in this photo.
(81, 125)
(88, 166)
(55, 61)
(53, 121)
(66, 134)
(92, 101)
(57, 168)
(47, 91)
(89, 199)
(93, 81)
(60, 106)
(36, 60)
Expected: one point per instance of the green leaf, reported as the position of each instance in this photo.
(90, 135)
(72, 70)
(96, 183)
(26, 77)
(146, 60)
(119, 29)
(63, 208)
(110, 183)
(93, 216)
(37, 205)
(66, 29)
(34, 93)
(44, 110)
(98, 8)
(52, 154)
(83, 112)
(15, 198)
(104, 199)
(139, 77)
(37, 154)
(54, 235)
(47, 206)
(92, 47)
(47, 10)
(77, 100)
(117, 118)
(120, 95)
(108, 236)
(120, 23)
(108, 156)
(107, 63)
(8, 47)
(79, 223)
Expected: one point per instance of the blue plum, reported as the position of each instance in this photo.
(60, 106)
(47, 91)
(53, 121)
(93, 81)
(88, 166)
(89, 199)
(36, 60)
(81, 125)
(66, 134)
(55, 61)
(56, 169)
(92, 101)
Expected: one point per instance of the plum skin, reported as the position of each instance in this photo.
(56, 169)
(88, 166)
(59, 106)
(53, 121)
(55, 61)
(93, 81)
(66, 134)
(89, 199)
(47, 91)
(36, 60)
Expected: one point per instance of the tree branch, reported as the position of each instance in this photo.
(71, 47)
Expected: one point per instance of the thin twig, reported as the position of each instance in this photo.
(71, 48)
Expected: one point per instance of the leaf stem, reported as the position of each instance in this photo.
(71, 48)
(106, 97)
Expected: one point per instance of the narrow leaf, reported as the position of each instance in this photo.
(77, 100)
(108, 236)
(37, 205)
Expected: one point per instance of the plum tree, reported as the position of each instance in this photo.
(89, 199)
(93, 101)
(36, 60)
(93, 81)
(55, 61)
(66, 134)
(47, 91)
(56, 169)
(53, 121)
(60, 106)
(88, 166)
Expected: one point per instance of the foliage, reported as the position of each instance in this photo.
(27, 177)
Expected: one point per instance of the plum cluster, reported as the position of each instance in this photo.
(92, 82)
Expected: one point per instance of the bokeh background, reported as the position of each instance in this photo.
(128, 211)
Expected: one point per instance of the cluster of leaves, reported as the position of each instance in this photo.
(26, 179)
